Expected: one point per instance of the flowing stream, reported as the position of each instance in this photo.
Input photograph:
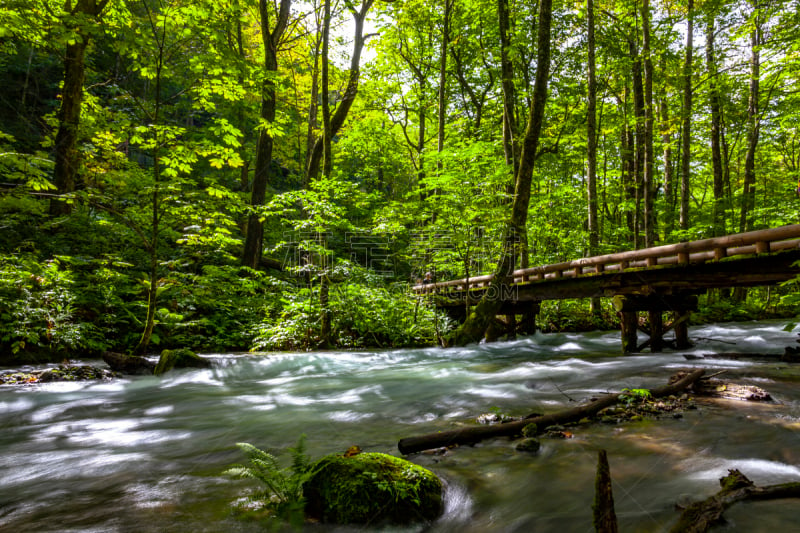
(146, 454)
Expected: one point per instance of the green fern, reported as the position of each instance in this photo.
(283, 496)
(630, 396)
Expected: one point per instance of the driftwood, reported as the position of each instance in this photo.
(732, 391)
(605, 519)
(700, 516)
(473, 434)
(717, 388)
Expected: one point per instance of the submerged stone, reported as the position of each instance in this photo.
(528, 445)
(371, 488)
(180, 358)
(128, 364)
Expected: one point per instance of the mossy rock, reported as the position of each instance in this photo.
(180, 358)
(371, 488)
(528, 445)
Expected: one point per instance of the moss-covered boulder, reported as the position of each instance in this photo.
(371, 488)
(180, 358)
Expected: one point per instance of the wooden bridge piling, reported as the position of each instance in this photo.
(679, 305)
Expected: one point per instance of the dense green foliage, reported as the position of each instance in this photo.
(131, 132)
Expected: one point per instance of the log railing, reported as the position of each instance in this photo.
(714, 249)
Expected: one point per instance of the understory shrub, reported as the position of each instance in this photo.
(575, 315)
(364, 311)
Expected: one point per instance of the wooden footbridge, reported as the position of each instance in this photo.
(663, 279)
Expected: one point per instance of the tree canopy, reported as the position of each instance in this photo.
(245, 174)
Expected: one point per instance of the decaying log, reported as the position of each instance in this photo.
(731, 391)
(605, 519)
(473, 434)
(717, 388)
(700, 516)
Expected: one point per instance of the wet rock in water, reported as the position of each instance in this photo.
(558, 432)
(128, 364)
(61, 373)
(371, 488)
(528, 445)
(491, 418)
(791, 354)
(180, 358)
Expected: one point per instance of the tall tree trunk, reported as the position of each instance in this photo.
(442, 106)
(716, 120)
(327, 167)
(507, 84)
(591, 142)
(627, 164)
(669, 176)
(421, 137)
(67, 155)
(313, 105)
(350, 93)
(244, 174)
(686, 113)
(648, 184)
(746, 222)
(639, 141)
(155, 218)
(327, 134)
(270, 40)
(474, 328)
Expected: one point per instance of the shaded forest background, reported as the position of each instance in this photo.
(253, 174)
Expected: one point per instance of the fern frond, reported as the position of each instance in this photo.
(284, 494)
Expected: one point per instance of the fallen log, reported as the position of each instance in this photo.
(700, 516)
(473, 434)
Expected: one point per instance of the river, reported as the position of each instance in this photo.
(146, 454)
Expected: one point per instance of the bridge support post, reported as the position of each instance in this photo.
(511, 320)
(629, 305)
(656, 319)
(629, 322)
(680, 323)
(528, 320)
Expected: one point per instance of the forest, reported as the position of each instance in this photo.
(269, 175)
